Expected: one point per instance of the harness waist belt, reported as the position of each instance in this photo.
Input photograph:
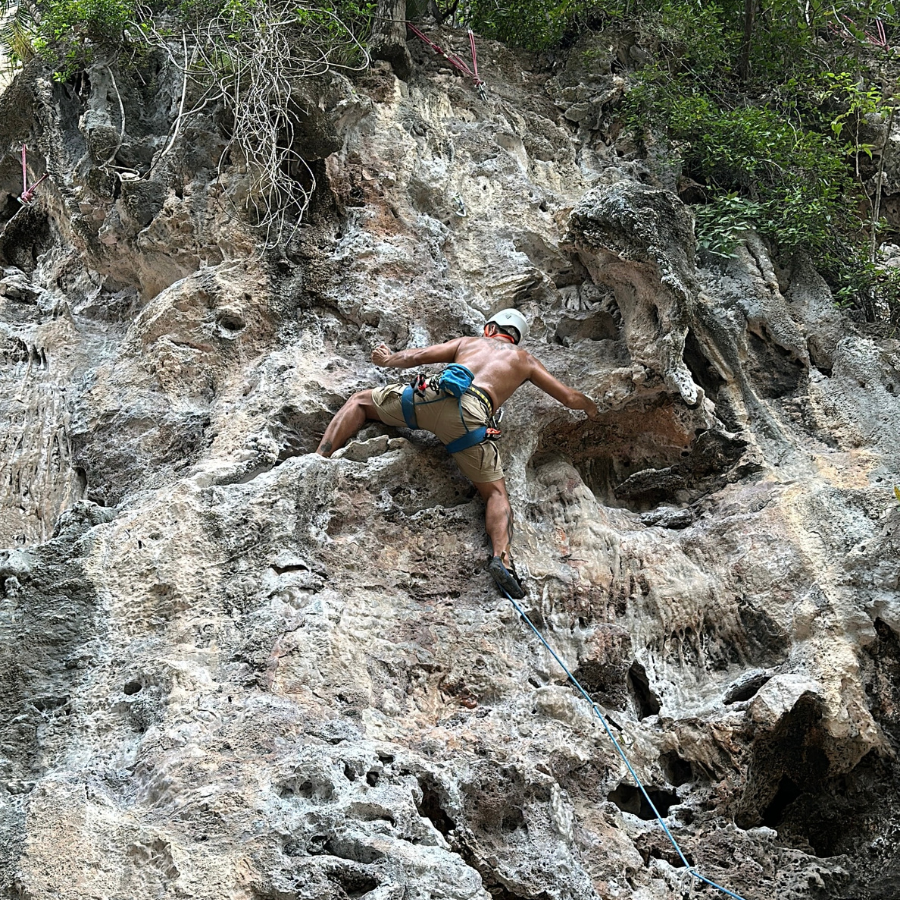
(482, 396)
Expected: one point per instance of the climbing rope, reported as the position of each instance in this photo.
(693, 872)
(453, 59)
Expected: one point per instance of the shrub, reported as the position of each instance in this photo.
(71, 32)
(532, 24)
(781, 132)
(789, 182)
(722, 223)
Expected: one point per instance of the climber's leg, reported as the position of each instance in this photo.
(348, 420)
(498, 516)
(498, 522)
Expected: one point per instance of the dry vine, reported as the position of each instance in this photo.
(252, 61)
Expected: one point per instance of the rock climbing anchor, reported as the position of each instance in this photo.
(454, 60)
(27, 195)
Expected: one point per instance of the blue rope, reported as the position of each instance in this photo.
(618, 747)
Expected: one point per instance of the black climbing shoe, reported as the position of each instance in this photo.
(506, 580)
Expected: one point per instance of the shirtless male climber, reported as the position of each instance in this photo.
(499, 367)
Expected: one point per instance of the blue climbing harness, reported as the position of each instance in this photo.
(454, 381)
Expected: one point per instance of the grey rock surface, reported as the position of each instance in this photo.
(232, 668)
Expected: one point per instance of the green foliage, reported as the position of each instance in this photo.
(331, 22)
(316, 35)
(855, 100)
(788, 182)
(324, 16)
(533, 24)
(861, 283)
(782, 131)
(17, 42)
(196, 12)
(722, 223)
(332, 29)
(18, 21)
(688, 37)
(71, 33)
(358, 15)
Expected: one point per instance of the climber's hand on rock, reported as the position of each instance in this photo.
(584, 402)
(381, 354)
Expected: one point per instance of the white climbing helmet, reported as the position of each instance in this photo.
(511, 318)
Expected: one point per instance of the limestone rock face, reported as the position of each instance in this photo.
(232, 668)
(640, 242)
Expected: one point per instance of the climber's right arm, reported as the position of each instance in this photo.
(417, 356)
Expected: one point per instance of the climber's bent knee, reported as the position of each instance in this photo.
(362, 400)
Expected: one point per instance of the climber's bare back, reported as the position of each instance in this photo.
(499, 367)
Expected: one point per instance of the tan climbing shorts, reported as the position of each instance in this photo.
(480, 463)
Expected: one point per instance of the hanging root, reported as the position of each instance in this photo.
(250, 58)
